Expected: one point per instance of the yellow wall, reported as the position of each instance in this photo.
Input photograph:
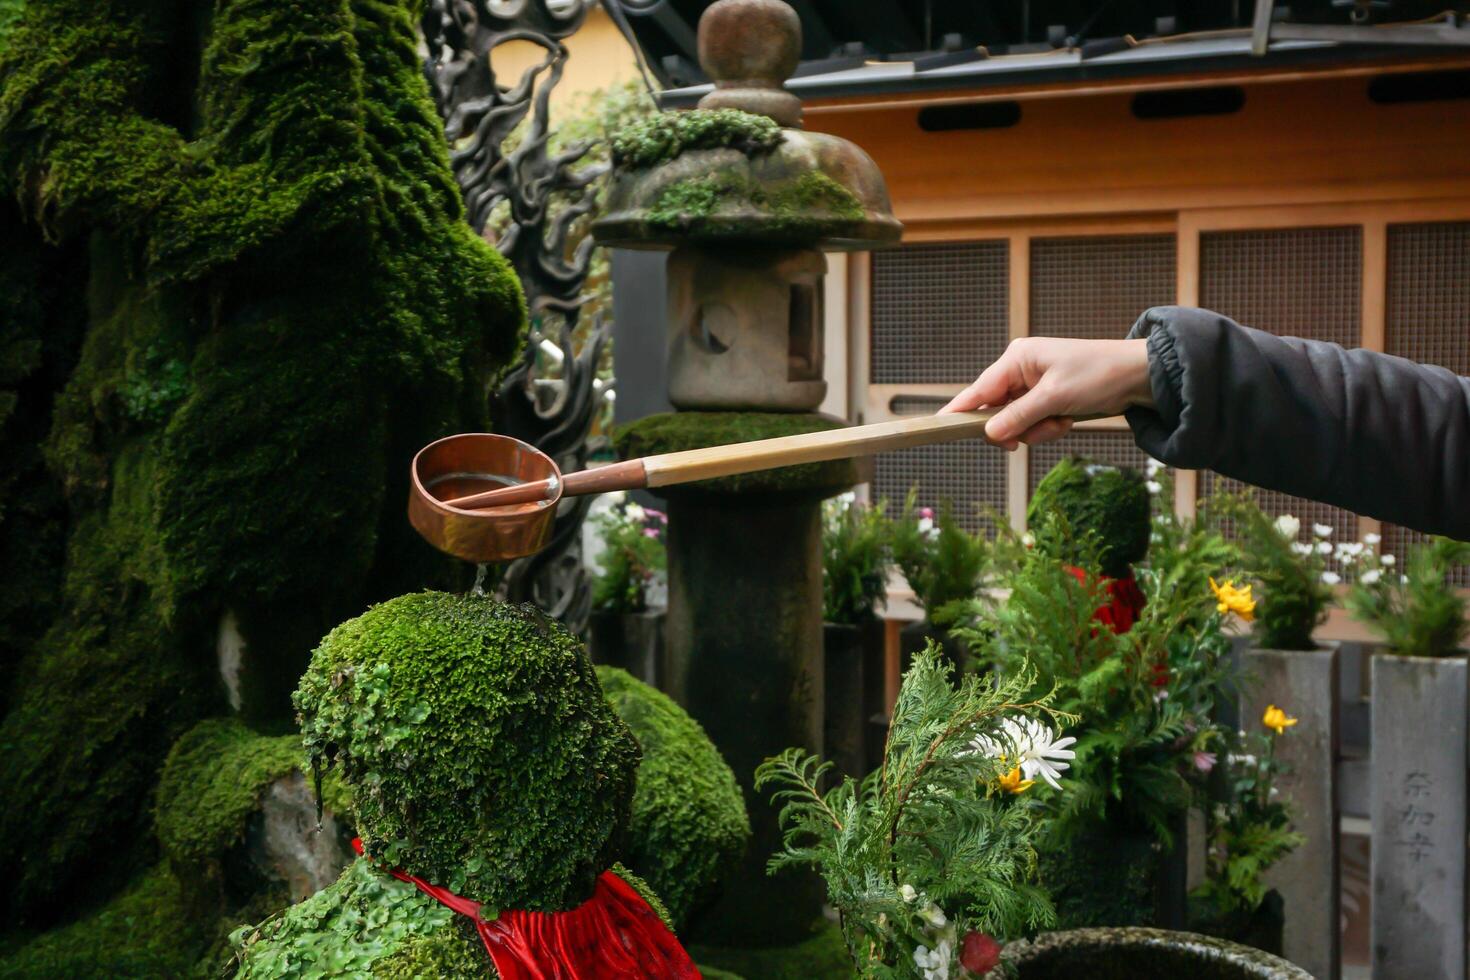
(599, 57)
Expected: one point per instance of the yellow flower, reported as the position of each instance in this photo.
(1233, 599)
(1012, 782)
(1276, 719)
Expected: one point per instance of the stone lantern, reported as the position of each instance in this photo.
(748, 227)
(747, 203)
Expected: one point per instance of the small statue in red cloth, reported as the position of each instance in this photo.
(491, 784)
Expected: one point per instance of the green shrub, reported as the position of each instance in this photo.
(1109, 503)
(942, 562)
(855, 560)
(478, 747)
(1418, 611)
(689, 827)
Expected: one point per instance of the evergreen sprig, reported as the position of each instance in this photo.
(927, 848)
(1419, 612)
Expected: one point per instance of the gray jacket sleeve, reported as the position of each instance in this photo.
(1375, 434)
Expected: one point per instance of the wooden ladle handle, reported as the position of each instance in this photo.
(690, 465)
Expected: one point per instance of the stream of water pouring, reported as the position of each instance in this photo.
(481, 571)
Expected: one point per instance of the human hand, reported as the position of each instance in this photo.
(1041, 383)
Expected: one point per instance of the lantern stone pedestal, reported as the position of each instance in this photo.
(744, 635)
(1304, 683)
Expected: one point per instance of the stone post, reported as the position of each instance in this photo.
(1419, 798)
(1304, 683)
(744, 637)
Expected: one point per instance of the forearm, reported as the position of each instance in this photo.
(1374, 434)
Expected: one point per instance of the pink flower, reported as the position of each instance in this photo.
(1204, 761)
(927, 513)
(658, 515)
(650, 532)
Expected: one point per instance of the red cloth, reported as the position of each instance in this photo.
(1125, 601)
(613, 935)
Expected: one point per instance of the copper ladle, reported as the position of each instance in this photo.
(486, 498)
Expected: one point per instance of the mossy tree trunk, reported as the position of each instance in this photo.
(243, 213)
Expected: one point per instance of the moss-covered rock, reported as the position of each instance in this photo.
(1095, 499)
(689, 826)
(663, 136)
(211, 782)
(479, 749)
(676, 431)
(232, 815)
(254, 202)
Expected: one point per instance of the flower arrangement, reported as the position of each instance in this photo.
(632, 556)
(1250, 827)
(1295, 585)
(942, 562)
(929, 859)
(1418, 611)
(855, 559)
(1145, 696)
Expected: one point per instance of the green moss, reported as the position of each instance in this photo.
(480, 752)
(270, 334)
(822, 957)
(809, 206)
(662, 136)
(212, 782)
(1096, 499)
(676, 431)
(448, 952)
(365, 921)
(689, 826)
(148, 930)
(645, 891)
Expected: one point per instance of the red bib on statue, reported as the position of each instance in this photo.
(613, 935)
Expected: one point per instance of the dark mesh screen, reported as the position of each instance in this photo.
(970, 474)
(1095, 287)
(941, 313)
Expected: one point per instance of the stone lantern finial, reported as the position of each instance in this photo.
(749, 48)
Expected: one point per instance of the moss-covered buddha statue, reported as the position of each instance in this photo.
(492, 785)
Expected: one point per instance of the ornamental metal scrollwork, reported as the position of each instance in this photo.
(529, 199)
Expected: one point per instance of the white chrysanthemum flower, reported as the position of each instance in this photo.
(1033, 746)
(1372, 539)
(934, 915)
(1153, 486)
(1288, 526)
(1349, 550)
(934, 964)
(1301, 548)
(1331, 578)
(635, 512)
(926, 525)
(1371, 576)
(1322, 530)
(1244, 759)
(907, 893)
(1152, 467)
(1324, 548)
(1028, 539)
(1387, 559)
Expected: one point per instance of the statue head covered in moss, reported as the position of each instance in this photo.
(480, 750)
(1104, 508)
